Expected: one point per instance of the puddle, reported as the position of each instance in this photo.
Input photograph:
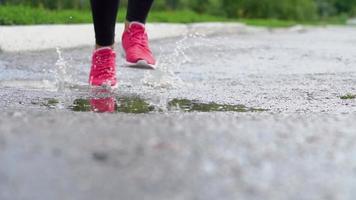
(111, 104)
(133, 105)
(81, 105)
(194, 105)
(138, 105)
(348, 96)
(51, 103)
(47, 102)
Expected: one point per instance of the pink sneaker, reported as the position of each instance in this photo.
(135, 44)
(103, 72)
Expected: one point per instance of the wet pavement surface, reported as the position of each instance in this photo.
(264, 115)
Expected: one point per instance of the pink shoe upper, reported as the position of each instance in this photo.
(103, 70)
(135, 44)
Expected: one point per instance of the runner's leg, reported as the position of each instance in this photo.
(104, 17)
(137, 10)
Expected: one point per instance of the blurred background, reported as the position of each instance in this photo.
(298, 10)
(280, 9)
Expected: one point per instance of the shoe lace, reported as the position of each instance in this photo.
(104, 64)
(138, 37)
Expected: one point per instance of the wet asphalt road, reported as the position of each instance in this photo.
(300, 146)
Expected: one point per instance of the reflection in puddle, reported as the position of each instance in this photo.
(110, 104)
(348, 96)
(138, 105)
(103, 105)
(81, 105)
(103, 100)
(194, 105)
(133, 105)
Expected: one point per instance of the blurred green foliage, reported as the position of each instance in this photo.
(301, 10)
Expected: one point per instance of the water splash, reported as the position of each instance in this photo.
(164, 77)
(62, 77)
(170, 61)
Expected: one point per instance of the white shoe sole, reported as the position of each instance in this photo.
(141, 64)
(103, 87)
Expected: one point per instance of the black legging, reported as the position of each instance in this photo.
(105, 13)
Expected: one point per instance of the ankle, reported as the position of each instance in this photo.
(128, 23)
(97, 47)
